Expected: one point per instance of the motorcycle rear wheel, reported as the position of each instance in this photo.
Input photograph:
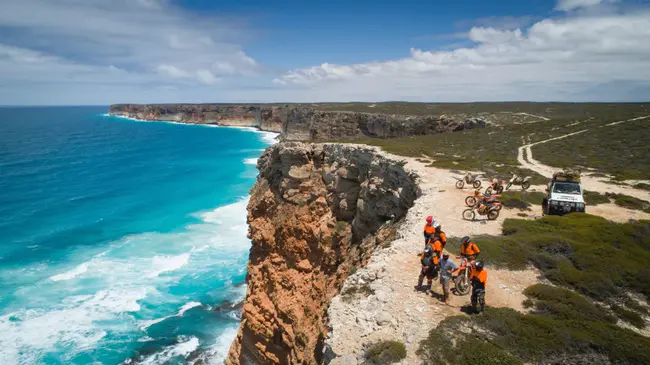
(500, 190)
(493, 214)
(488, 191)
(525, 185)
(469, 215)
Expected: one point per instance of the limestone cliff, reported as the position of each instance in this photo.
(316, 212)
(296, 123)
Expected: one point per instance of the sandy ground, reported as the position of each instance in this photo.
(396, 310)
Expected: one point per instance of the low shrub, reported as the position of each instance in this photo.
(565, 304)
(628, 316)
(386, 352)
(631, 202)
(521, 199)
(642, 186)
(594, 198)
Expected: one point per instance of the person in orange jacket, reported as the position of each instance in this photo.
(429, 229)
(439, 234)
(468, 249)
(478, 278)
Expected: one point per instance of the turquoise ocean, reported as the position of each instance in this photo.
(121, 242)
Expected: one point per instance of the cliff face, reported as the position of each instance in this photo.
(299, 123)
(316, 211)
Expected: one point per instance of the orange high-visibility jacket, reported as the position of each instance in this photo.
(470, 249)
(480, 275)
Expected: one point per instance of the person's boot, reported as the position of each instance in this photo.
(420, 280)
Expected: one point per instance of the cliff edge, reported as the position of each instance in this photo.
(297, 123)
(316, 213)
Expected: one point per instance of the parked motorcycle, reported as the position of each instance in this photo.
(490, 210)
(470, 179)
(518, 180)
(477, 198)
(496, 186)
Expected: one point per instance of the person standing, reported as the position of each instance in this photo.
(447, 267)
(428, 267)
(429, 229)
(478, 278)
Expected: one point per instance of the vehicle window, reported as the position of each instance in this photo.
(566, 188)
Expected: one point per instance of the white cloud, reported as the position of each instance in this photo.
(148, 39)
(568, 5)
(554, 59)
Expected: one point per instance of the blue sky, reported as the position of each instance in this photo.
(108, 51)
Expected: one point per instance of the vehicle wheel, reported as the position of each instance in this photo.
(462, 285)
(500, 190)
(469, 215)
(498, 207)
(477, 184)
(488, 191)
(460, 184)
(525, 185)
(508, 186)
(493, 214)
(470, 201)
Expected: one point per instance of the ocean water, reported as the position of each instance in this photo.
(120, 241)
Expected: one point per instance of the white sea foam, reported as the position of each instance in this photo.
(187, 307)
(131, 275)
(71, 274)
(184, 348)
(72, 324)
(250, 161)
(163, 264)
(217, 353)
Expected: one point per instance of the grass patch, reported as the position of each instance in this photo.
(509, 337)
(620, 150)
(634, 305)
(356, 291)
(594, 198)
(386, 352)
(642, 186)
(522, 215)
(340, 226)
(521, 199)
(631, 202)
(596, 257)
(628, 316)
(565, 304)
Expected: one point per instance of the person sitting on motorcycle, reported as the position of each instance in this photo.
(478, 278)
(468, 249)
(428, 267)
(429, 229)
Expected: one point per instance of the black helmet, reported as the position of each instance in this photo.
(427, 251)
(479, 264)
(445, 255)
(464, 239)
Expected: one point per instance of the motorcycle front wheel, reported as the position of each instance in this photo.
(460, 184)
(477, 184)
(469, 215)
(508, 186)
(493, 214)
(462, 284)
(470, 201)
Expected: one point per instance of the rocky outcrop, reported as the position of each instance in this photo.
(299, 123)
(316, 212)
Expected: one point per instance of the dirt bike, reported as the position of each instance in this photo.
(496, 186)
(517, 180)
(477, 198)
(469, 179)
(461, 277)
(490, 210)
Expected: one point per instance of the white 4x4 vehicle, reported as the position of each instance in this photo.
(563, 195)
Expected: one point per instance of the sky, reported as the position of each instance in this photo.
(100, 52)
